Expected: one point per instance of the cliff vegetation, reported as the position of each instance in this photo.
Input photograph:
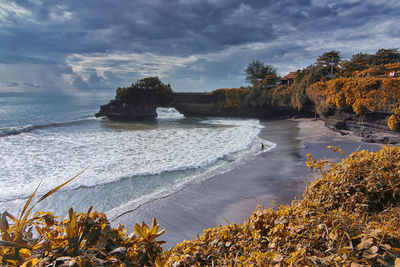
(150, 87)
(363, 85)
(230, 98)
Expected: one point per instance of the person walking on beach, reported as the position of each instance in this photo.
(262, 146)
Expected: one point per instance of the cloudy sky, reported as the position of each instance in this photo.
(94, 46)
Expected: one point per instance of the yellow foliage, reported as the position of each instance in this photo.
(370, 90)
(394, 122)
(232, 97)
(86, 238)
(281, 90)
(360, 94)
(24, 253)
(380, 70)
(349, 216)
(148, 234)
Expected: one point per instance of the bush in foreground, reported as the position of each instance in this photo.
(350, 216)
(394, 122)
(81, 240)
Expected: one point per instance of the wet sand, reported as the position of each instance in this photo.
(273, 178)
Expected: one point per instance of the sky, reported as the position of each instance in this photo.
(94, 46)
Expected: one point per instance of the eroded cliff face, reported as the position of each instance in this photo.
(138, 101)
(189, 104)
(206, 105)
(125, 110)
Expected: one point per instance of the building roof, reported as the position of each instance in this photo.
(290, 76)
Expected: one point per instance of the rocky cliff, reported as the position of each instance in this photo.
(139, 101)
(190, 105)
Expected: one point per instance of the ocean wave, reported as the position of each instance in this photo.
(169, 113)
(122, 155)
(231, 159)
(119, 185)
(209, 173)
(16, 130)
(7, 131)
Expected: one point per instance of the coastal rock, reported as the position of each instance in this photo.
(119, 109)
(192, 105)
(139, 101)
(206, 105)
(372, 127)
(143, 106)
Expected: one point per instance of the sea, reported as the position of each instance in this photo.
(46, 140)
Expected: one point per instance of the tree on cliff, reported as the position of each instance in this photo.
(149, 83)
(329, 60)
(386, 56)
(257, 72)
(358, 62)
(150, 87)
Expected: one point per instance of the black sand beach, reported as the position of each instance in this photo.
(273, 178)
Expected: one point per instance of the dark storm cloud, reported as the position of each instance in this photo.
(166, 27)
(31, 85)
(96, 44)
(12, 84)
(27, 84)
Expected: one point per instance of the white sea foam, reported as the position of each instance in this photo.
(168, 113)
(112, 152)
(15, 130)
(6, 131)
(208, 173)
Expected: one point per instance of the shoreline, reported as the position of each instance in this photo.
(273, 178)
(314, 137)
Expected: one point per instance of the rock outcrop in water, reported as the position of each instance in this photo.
(140, 101)
(188, 104)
